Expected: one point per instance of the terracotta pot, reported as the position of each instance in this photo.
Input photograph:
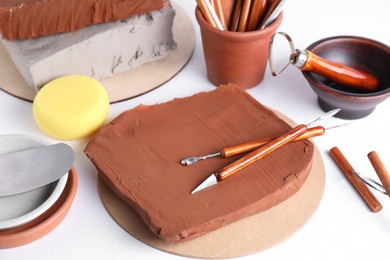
(236, 57)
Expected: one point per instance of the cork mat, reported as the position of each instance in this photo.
(122, 86)
(245, 237)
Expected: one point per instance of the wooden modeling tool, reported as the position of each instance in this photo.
(209, 13)
(235, 15)
(218, 6)
(244, 16)
(380, 170)
(272, 12)
(256, 14)
(359, 185)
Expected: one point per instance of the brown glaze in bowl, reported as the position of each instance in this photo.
(359, 53)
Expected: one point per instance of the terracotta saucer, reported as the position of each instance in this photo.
(46, 222)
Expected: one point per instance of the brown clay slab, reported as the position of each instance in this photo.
(138, 156)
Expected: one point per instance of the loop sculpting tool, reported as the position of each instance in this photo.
(259, 153)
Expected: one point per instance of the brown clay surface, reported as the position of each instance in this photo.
(138, 156)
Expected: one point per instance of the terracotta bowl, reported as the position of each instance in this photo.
(359, 53)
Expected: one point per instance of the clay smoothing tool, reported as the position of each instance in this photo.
(249, 146)
(340, 73)
(259, 153)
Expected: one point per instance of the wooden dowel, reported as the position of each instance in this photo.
(209, 14)
(340, 73)
(249, 146)
(261, 152)
(206, 12)
(380, 170)
(235, 15)
(274, 9)
(256, 13)
(220, 12)
(360, 187)
(244, 16)
(270, 10)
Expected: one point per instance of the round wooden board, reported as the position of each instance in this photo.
(122, 86)
(245, 237)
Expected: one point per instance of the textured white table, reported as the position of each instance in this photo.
(342, 227)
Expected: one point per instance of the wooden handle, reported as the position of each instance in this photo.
(244, 16)
(360, 187)
(220, 12)
(256, 13)
(380, 170)
(206, 13)
(235, 15)
(340, 73)
(269, 11)
(246, 147)
(260, 152)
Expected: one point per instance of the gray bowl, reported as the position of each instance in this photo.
(359, 53)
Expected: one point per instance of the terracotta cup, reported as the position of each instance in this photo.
(236, 57)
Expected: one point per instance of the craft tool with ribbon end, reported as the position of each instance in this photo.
(337, 72)
(249, 146)
(259, 153)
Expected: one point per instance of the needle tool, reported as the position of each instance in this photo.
(259, 153)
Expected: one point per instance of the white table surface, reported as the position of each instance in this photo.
(342, 227)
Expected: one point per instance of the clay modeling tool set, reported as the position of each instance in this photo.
(249, 146)
(259, 153)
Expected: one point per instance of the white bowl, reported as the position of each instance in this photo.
(21, 208)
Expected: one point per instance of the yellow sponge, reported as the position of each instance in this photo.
(71, 107)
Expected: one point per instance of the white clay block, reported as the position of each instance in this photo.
(97, 51)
